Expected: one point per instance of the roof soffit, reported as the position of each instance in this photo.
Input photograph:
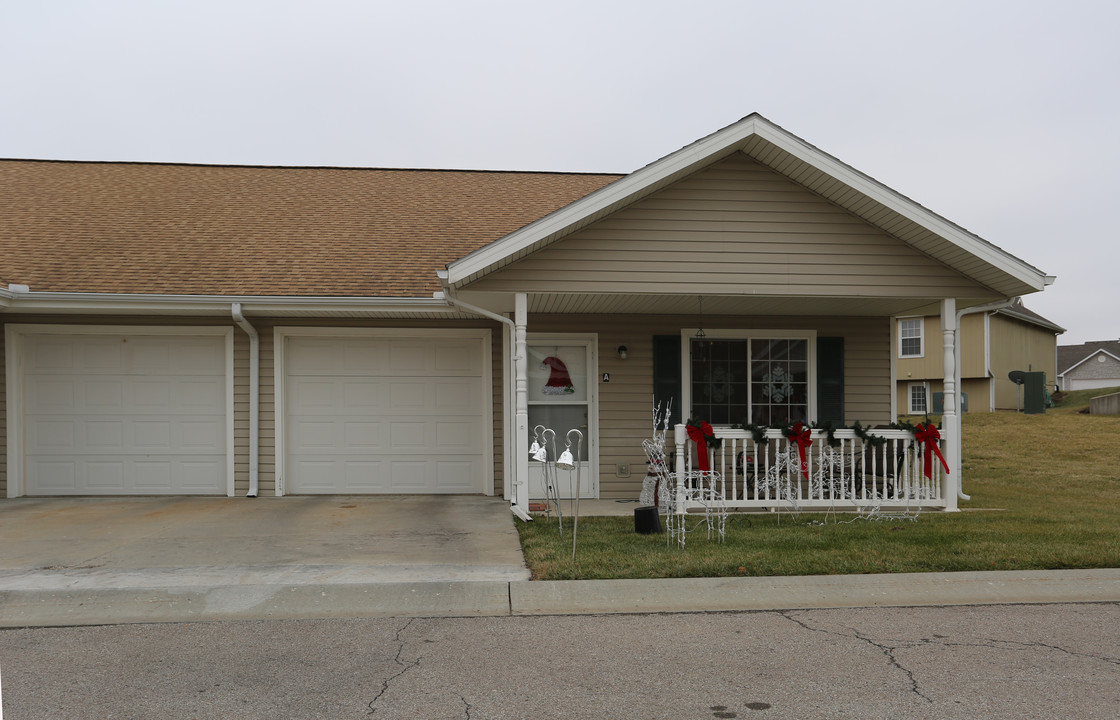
(803, 164)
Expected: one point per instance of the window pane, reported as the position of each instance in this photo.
(918, 399)
(780, 380)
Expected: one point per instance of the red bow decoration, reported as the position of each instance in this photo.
(927, 435)
(700, 436)
(803, 436)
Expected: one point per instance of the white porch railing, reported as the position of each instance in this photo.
(853, 475)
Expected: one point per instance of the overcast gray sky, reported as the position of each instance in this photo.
(1001, 116)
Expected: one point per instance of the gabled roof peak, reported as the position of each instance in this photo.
(797, 160)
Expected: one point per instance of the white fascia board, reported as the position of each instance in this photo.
(628, 188)
(904, 206)
(63, 302)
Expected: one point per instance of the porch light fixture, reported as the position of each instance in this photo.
(700, 334)
(622, 352)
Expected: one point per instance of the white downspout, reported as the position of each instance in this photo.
(955, 452)
(254, 399)
(518, 357)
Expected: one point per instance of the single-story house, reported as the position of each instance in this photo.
(1089, 366)
(993, 343)
(268, 331)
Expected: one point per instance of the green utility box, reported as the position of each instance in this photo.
(939, 403)
(1034, 393)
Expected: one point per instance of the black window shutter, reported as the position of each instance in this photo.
(667, 373)
(830, 380)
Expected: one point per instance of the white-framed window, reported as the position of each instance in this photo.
(911, 337)
(918, 394)
(766, 377)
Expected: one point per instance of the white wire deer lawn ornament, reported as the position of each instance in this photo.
(683, 488)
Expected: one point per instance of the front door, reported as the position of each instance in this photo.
(562, 396)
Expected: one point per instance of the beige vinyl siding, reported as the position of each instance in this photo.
(732, 226)
(626, 402)
(1018, 345)
(977, 389)
(931, 366)
(973, 346)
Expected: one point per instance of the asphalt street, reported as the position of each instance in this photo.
(993, 661)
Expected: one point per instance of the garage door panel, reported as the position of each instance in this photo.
(385, 415)
(92, 435)
(123, 475)
(54, 477)
(362, 436)
(125, 414)
(102, 395)
(455, 475)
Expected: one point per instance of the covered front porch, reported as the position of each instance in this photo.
(751, 279)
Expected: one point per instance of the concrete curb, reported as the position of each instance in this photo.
(823, 591)
(102, 605)
(112, 606)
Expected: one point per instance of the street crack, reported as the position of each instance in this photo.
(887, 650)
(405, 667)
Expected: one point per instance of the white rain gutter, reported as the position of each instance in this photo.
(456, 302)
(254, 398)
(990, 307)
(19, 299)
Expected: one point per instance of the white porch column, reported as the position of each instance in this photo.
(950, 421)
(520, 465)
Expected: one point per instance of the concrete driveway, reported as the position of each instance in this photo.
(74, 552)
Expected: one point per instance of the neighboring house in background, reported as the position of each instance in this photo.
(992, 344)
(179, 329)
(1089, 365)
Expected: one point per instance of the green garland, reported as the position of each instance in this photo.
(866, 437)
(758, 432)
(713, 442)
(829, 429)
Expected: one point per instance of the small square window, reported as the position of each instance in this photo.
(910, 337)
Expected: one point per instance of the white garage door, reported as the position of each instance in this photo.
(1092, 383)
(387, 414)
(124, 414)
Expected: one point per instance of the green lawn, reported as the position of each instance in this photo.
(1047, 488)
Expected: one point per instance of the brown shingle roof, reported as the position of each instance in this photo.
(232, 230)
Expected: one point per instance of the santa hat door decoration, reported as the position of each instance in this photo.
(559, 381)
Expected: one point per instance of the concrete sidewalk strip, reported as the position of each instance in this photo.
(819, 591)
(112, 606)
